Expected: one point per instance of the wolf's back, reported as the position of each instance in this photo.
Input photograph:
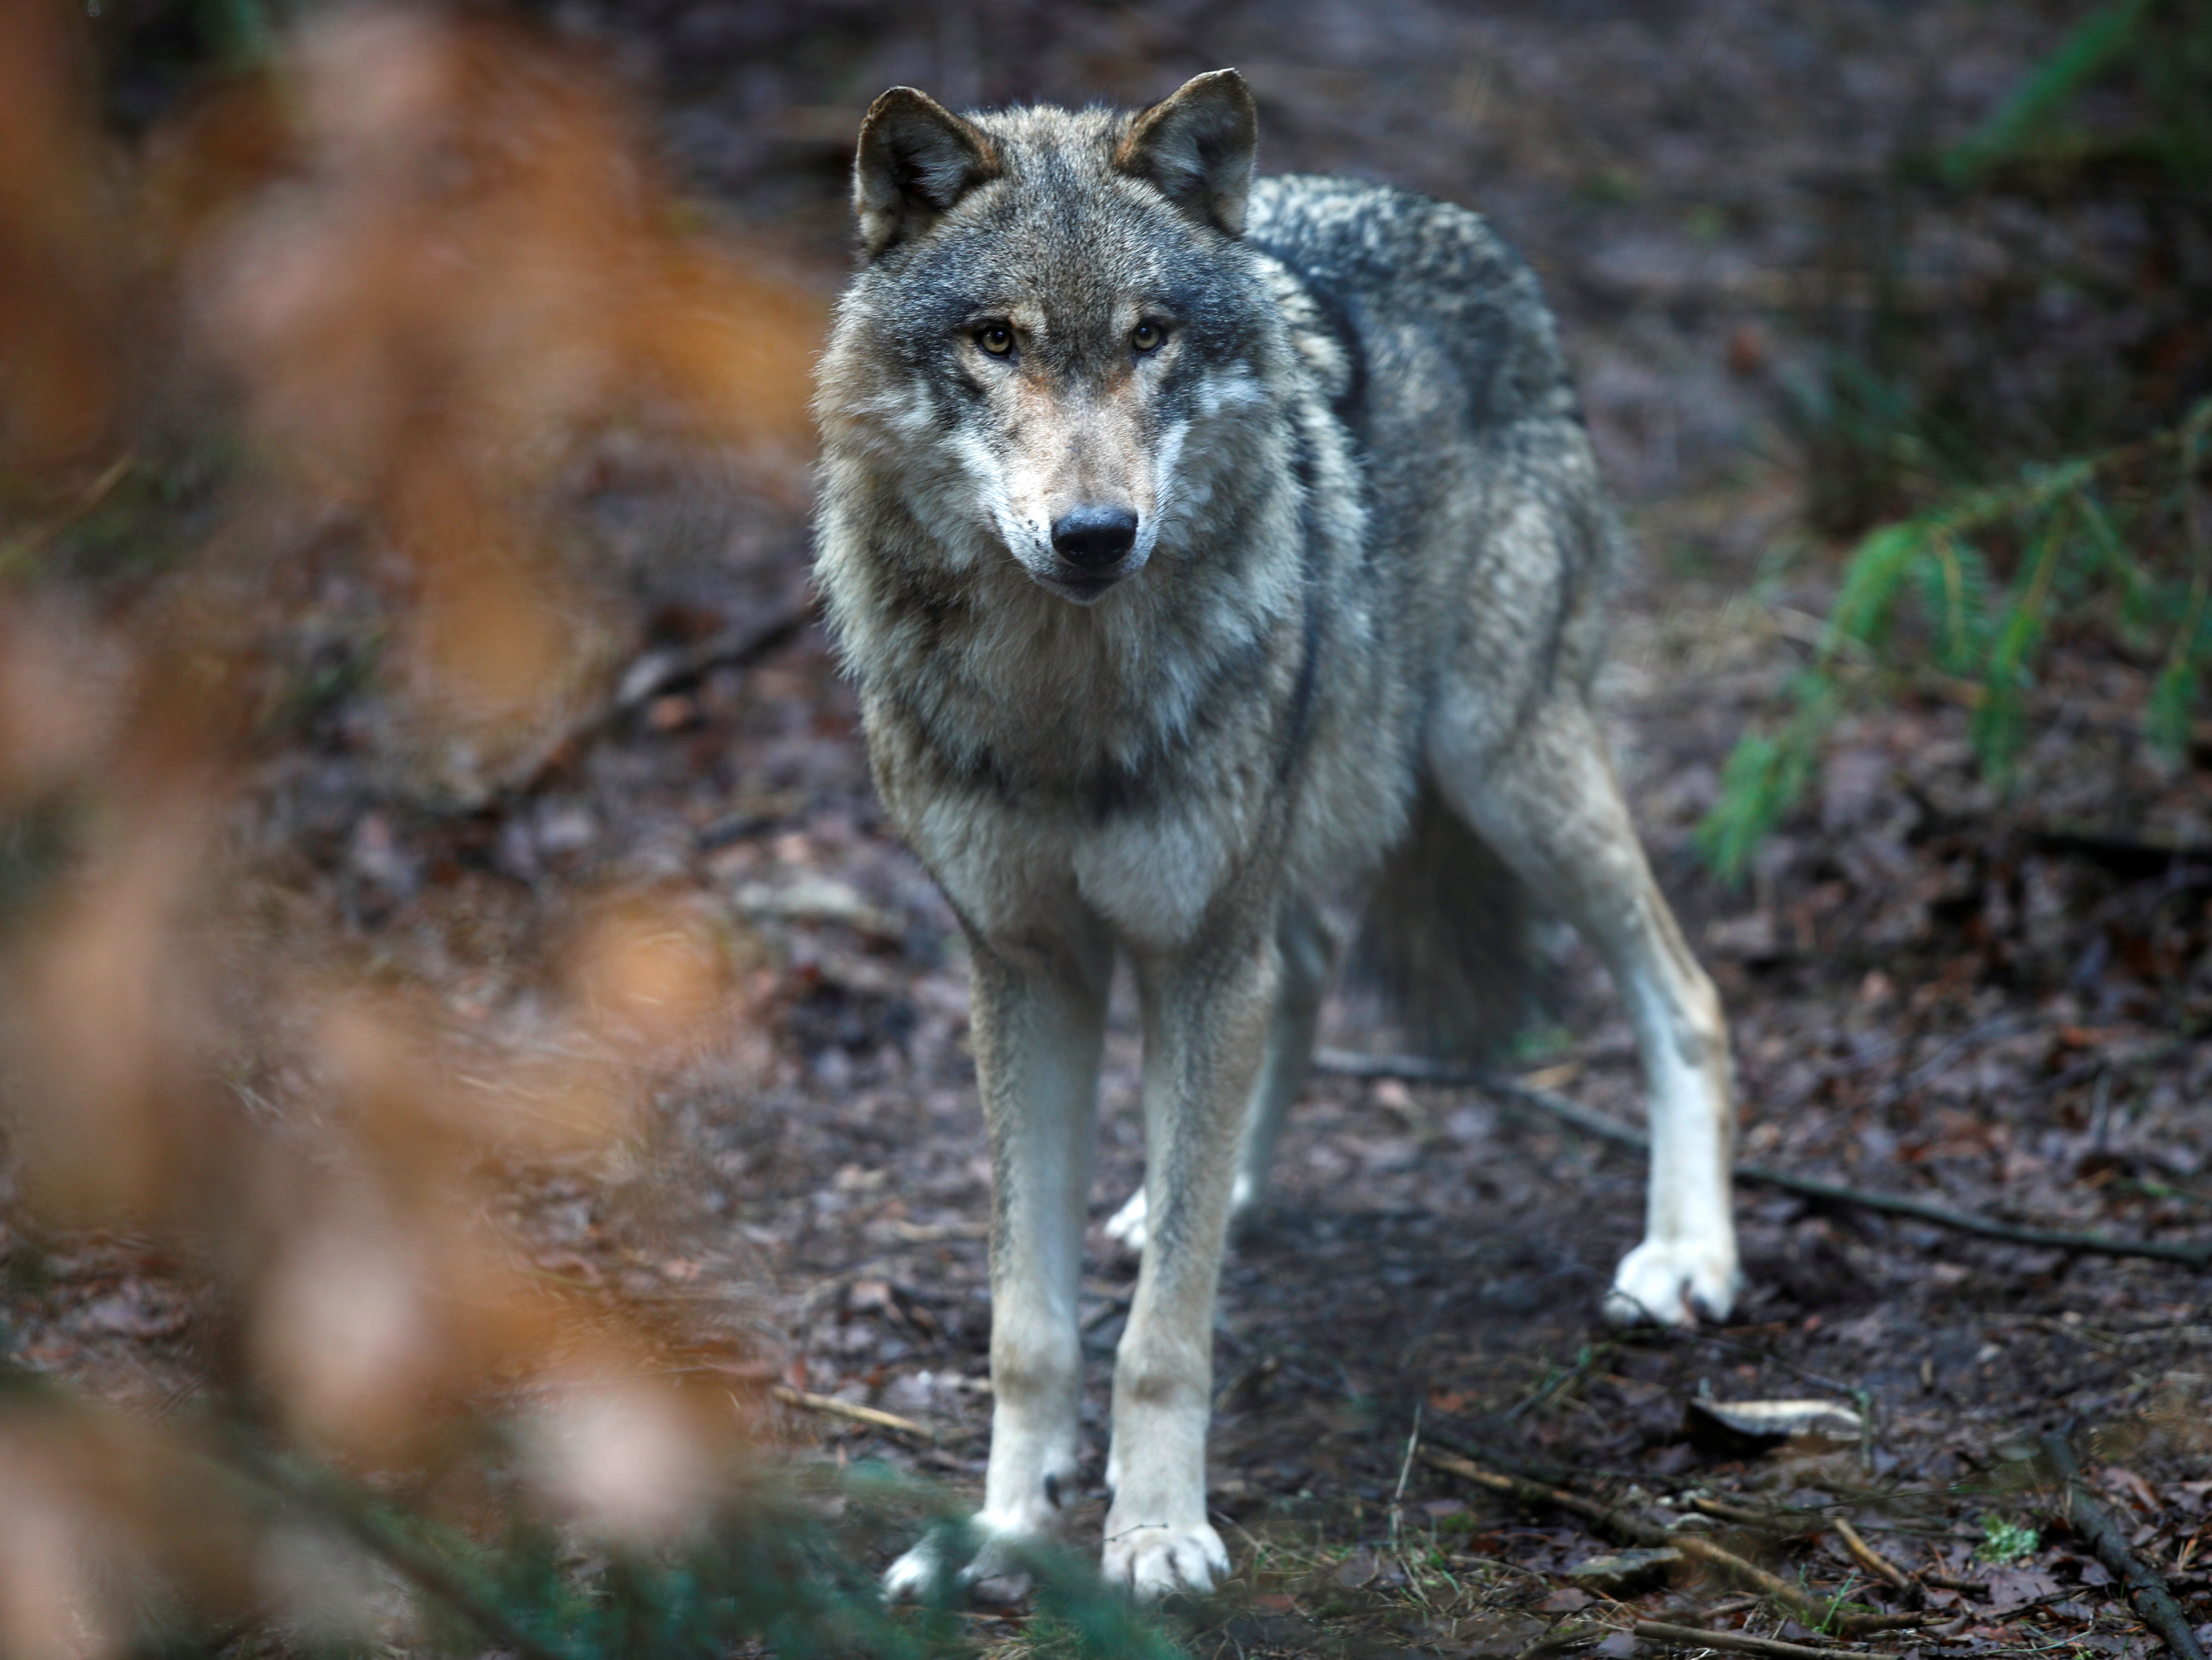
(1456, 385)
(1418, 289)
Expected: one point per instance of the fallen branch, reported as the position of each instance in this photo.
(1413, 1069)
(829, 1407)
(1807, 1610)
(1640, 1531)
(1872, 1559)
(2146, 1589)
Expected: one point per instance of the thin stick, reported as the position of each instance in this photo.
(657, 672)
(2146, 1589)
(1728, 1565)
(1808, 1609)
(735, 648)
(875, 1419)
(1743, 1515)
(1689, 1637)
(1870, 1559)
(1413, 1069)
(1404, 1469)
(1536, 1495)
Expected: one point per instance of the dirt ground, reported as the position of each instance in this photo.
(1999, 1004)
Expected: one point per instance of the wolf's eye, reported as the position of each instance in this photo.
(998, 339)
(1147, 336)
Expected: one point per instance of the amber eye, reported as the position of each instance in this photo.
(1147, 336)
(998, 339)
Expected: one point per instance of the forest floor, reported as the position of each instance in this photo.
(1996, 1003)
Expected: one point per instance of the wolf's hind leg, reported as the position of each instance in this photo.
(1309, 948)
(1039, 1019)
(1546, 798)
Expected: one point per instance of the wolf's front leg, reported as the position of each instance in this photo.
(1038, 1020)
(1207, 1015)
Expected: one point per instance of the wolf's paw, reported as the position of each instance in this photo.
(1674, 1284)
(1155, 1559)
(918, 1574)
(996, 1573)
(1125, 1227)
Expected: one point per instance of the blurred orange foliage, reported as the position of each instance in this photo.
(421, 263)
(60, 284)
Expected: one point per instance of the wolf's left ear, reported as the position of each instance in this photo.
(916, 158)
(1197, 147)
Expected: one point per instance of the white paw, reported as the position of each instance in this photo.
(996, 1572)
(1125, 1227)
(916, 1576)
(1155, 1559)
(1674, 1284)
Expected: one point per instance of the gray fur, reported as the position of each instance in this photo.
(1355, 632)
(1446, 938)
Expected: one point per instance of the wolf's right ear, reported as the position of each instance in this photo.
(1197, 146)
(916, 158)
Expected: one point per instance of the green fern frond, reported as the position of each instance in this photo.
(2074, 546)
(2094, 44)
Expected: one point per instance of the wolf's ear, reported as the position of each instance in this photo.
(1197, 147)
(916, 158)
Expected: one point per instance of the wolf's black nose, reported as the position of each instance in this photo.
(1093, 537)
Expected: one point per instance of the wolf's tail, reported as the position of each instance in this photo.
(1448, 938)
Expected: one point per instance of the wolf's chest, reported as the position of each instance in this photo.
(1022, 800)
(1012, 865)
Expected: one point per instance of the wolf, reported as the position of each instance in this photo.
(1198, 543)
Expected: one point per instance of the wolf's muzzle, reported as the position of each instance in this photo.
(1095, 538)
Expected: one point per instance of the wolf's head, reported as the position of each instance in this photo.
(1057, 329)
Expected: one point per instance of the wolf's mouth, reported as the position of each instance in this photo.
(1083, 590)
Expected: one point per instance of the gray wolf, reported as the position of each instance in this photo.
(1198, 543)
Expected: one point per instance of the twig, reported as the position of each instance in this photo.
(1417, 1069)
(1727, 1605)
(2196, 1254)
(1689, 1637)
(1744, 1515)
(1942, 1062)
(1870, 1559)
(1865, 1625)
(26, 546)
(1565, 1635)
(664, 670)
(1807, 1608)
(2146, 1589)
(1953, 1582)
(829, 1407)
(1560, 1382)
(1404, 1469)
(657, 671)
(1634, 1528)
